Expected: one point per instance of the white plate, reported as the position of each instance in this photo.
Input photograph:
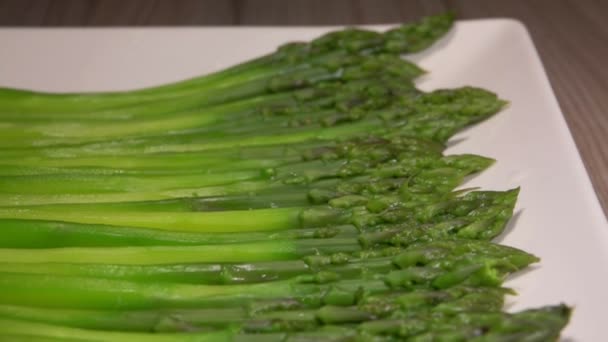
(558, 216)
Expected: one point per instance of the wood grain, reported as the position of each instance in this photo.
(571, 37)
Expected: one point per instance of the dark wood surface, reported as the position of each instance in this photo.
(571, 36)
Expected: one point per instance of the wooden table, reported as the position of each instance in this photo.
(571, 36)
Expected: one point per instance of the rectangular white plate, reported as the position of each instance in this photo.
(558, 216)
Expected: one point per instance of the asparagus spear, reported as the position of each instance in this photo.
(439, 265)
(340, 263)
(383, 159)
(542, 324)
(21, 330)
(470, 103)
(482, 215)
(329, 51)
(312, 106)
(53, 234)
(435, 116)
(386, 159)
(240, 158)
(268, 316)
(489, 211)
(534, 325)
(343, 206)
(341, 160)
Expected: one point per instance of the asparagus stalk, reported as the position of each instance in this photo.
(327, 156)
(312, 105)
(327, 161)
(54, 234)
(360, 264)
(293, 173)
(437, 265)
(375, 168)
(435, 116)
(239, 252)
(476, 215)
(542, 324)
(20, 330)
(373, 161)
(345, 207)
(226, 273)
(204, 222)
(534, 325)
(241, 158)
(267, 316)
(249, 78)
(489, 210)
(312, 73)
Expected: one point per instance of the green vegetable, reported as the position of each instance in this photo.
(264, 316)
(542, 324)
(476, 215)
(301, 196)
(531, 325)
(310, 107)
(437, 264)
(435, 116)
(291, 66)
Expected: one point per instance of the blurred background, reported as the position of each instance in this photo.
(571, 36)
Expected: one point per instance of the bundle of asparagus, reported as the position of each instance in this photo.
(300, 196)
